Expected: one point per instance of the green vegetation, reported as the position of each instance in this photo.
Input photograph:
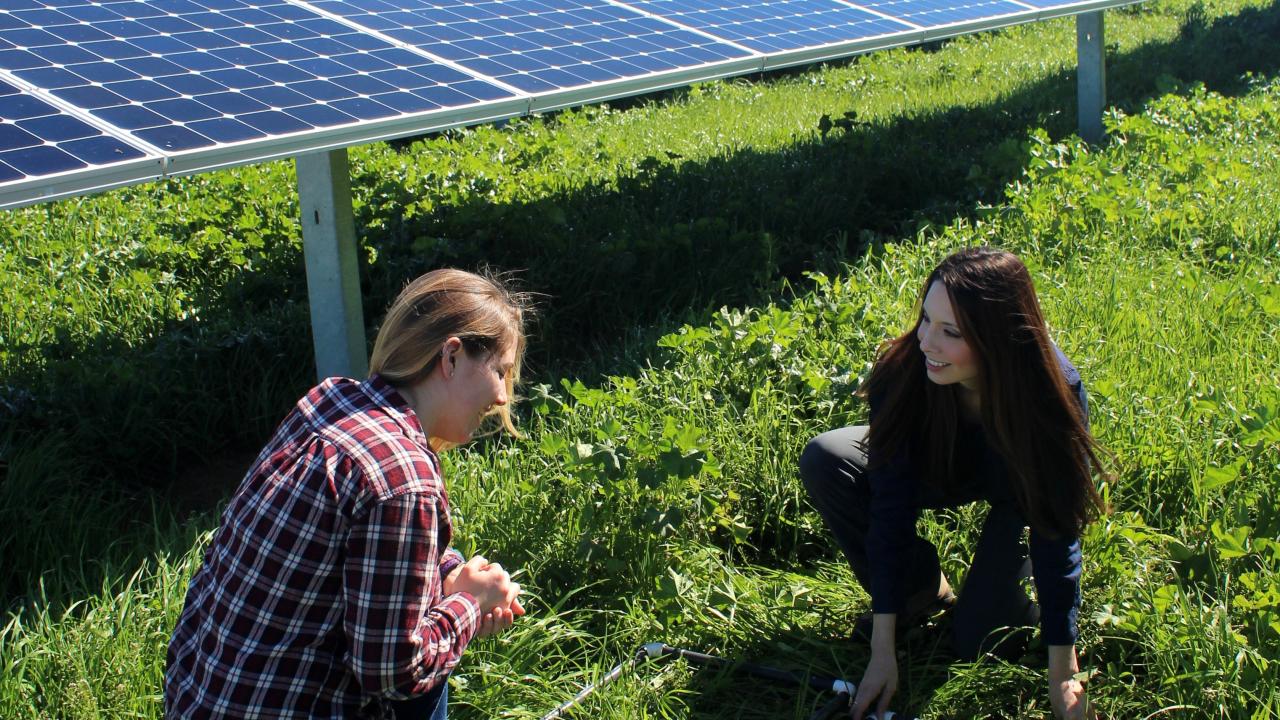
(655, 495)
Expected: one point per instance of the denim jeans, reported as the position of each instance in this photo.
(432, 706)
(834, 470)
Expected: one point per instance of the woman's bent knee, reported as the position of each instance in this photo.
(817, 465)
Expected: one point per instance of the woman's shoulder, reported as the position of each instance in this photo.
(371, 426)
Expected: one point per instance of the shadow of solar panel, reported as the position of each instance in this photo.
(186, 75)
(38, 139)
(538, 46)
(769, 26)
(940, 13)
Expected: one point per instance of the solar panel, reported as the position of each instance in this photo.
(95, 92)
(940, 13)
(769, 26)
(180, 75)
(539, 46)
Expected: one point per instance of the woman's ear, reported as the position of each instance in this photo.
(449, 356)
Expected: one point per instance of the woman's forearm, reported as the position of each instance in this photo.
(1063, 663)
(883, 626)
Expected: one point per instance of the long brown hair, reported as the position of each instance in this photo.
(483, 311)
(1029, 414)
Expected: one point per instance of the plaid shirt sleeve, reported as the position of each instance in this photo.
(401, 643)
(451, 560)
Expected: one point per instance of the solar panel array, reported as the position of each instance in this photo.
(99, 93)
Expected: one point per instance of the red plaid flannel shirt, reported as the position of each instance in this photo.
(321, 593)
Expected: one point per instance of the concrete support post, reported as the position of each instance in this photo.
(1091, 74)
(333, 279)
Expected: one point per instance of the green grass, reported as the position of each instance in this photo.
(655, 494)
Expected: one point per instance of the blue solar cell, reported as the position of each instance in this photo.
(322, 67)
(776, 25)
(935, 13)
(274, 122)
(12, 136)
(226, 130)
(237, 78)
(114, 49)
(173, 137)
(285, 52)
(189, 84)
(90, 97)
(364, 108)
(22, 107)
(323, 90)
(363, 84)
(57, 128)
(130, 117)
(404, 102)
(285, 11)
(41, 160)
(101, 150)
(78, 33)
(198, 62)
(42, 17)
(50, 78)
(205, 40)
(247, 35)
(243, 56)
(278, 73)
(170, 25)
(21, 60)
(325, 46)
(183, 110)
(31, 37)
(247, 16)
(364, 62)
(104, 72)
(320, 115)
(232, 103)
(278, 97)
(219, 21)
(444, 96)
(124, 29)
(8, 174)
(152, 66)
(141, 91)
(359, 41)
(162, 45)
(90, 13)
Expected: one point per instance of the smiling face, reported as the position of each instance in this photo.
(475, 384)
(948, 358)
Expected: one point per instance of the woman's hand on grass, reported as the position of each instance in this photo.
(1066, 694)
(880, 680)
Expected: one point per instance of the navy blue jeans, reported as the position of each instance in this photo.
(833, 467)
(432, 706)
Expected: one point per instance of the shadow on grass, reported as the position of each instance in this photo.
(620, 264)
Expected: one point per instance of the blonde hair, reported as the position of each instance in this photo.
(483, 312)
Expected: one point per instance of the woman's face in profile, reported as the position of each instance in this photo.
(948, 358)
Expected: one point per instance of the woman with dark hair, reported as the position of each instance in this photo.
(975, 402)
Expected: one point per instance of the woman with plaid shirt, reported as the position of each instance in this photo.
(330, 589)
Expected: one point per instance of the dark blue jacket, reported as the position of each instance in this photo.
(898, 494)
